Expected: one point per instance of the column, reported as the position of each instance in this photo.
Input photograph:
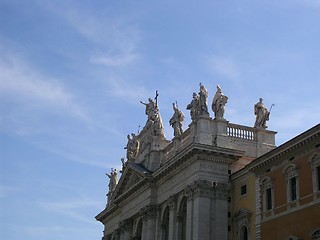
(172, 217)
(189, 222)
(201, 210)
(220, 210)
(149, 222)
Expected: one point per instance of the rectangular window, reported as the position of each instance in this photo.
(293, 188)
(268, 199)
(243, 190)
(318, 177)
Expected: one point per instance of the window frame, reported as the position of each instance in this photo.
(292, 174)
(315, 168)
(268, 186)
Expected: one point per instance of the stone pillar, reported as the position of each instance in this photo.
(172, 217)
(144, 228)
(201, 210)
(220, 211)
(148, 222)
(189, 221)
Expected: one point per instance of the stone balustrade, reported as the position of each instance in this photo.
(241, 132)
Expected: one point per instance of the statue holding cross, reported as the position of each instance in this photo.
(154, 118)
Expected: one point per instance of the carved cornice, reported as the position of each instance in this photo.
(297, 146)
(194, 152)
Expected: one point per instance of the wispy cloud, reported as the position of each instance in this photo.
(115, 61)
(116, 40)
(5, 191)
(21, 83)
(71, 208)
(127, 90)
(41, 231)
(222, 65)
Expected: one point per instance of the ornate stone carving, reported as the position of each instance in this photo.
(199, 104)
(154, 121)
(188, 192)
(218, 103)
(171, 201)
(113, 179)
(262, 114)
(125, 224)
(132, 147)
(148, 211)
(176, 121)
(203, 99)
(193, 106)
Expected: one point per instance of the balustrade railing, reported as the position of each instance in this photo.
(241, 132)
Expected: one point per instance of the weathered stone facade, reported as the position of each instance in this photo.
(180, 189)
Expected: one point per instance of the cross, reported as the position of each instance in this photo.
(156, 98)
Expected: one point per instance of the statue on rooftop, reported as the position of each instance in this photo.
(151, 109)
(113, 179)
(193, 106)
(154, 121)
(132, 147)
(203, 100)
(218, 103)
(176, 121)
(262, 114)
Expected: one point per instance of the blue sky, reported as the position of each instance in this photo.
(72, 74)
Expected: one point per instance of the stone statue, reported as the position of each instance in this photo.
(154, 121)
(194, 107)
(124, 164)
(151, 109)
(218, 103)
(113, 179)
(262, 114)
(176, 121)
(203, 101)
(132, 147)
(158, 129)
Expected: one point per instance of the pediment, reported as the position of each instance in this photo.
(131, 176)
(242, 213)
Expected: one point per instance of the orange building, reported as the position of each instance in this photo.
(277, 196)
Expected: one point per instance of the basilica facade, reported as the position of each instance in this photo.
(216, 180)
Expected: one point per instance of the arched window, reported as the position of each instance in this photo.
(165, 224)
(244, 233)
(182, 219)
(138, 230)
(316, 235)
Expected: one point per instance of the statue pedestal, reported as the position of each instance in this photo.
(220, 133)
(203, 130)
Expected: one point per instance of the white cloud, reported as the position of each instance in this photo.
(5, 191)
(116, 41)
(222, 65)
(21, 83)
(72, 208)
(115, 61)
(49, 230)
(126, 90)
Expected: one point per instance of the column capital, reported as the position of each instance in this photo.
(172, 202)
(148, 211)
